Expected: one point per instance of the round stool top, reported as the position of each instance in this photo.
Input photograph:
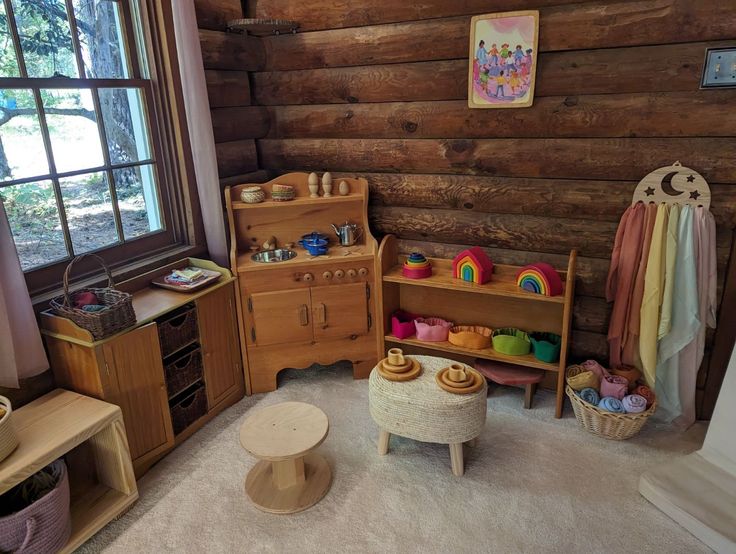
(419, 409)
(284, 431)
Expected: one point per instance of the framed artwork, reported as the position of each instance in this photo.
(503, 59)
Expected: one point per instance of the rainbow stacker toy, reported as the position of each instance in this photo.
(472, 265)
(417, 267)
(540, 278)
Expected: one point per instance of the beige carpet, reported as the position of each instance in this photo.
(533, 484)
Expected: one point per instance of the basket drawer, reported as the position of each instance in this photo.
(184, 370)
(177, 330)
(189, 408)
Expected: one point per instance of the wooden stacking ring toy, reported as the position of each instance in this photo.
(396, 367)
(459, 379)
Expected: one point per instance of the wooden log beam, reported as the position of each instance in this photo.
(227, 88)
(508, 195)
(237, 157)
(593, 239)
(231, 51)
(214, 14)
(331, 14)
(587, 346)
(602, 24)
(605, 115)
(260, 176)
(245, 122)
(668, 68)
(622, 159)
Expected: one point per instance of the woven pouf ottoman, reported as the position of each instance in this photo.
(421, 410)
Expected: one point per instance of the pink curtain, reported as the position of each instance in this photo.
(21, 350)
(199, 122)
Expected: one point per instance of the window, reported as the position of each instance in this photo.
(80, 151)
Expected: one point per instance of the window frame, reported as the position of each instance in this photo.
(160, 85)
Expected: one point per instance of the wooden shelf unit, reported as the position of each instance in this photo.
(499, 303)
(91, 435)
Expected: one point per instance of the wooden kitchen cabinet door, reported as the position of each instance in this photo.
(280, 317)
(218, 335)
(137, 385)
(339, 310)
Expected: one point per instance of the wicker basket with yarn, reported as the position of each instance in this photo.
(603, 423)
(252, 195)
(117, 315)
(8, 438)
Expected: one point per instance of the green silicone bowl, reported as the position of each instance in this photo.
(511, 341)
(546, 346)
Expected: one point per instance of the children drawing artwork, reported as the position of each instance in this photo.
(503, 58)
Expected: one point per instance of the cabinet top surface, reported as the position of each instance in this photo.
(304, 260)
(284, 431)
(49, 427)
(503, 282)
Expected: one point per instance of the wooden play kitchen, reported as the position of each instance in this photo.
(176, 368)
(304, 302)
(500, 305)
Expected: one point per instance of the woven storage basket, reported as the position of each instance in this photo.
(603, 423)
(8, 438)
(43, 526)
(119, 314)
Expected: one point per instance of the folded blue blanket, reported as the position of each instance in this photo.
(590, 395)
(611, 404)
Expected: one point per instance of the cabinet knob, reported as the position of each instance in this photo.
(339, 274)
(308, 277)
(352, 272)
(327, 275)
(363, 271)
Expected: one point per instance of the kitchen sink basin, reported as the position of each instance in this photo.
(273, 256)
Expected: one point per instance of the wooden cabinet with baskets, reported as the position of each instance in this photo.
(175, 369)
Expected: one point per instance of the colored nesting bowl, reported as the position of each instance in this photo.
(402, 324)
(474, 337)
(546, 346)
(432, 329)
(511, 341)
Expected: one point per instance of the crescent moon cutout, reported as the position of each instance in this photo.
(667, 184)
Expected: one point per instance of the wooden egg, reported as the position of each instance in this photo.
(343, 188)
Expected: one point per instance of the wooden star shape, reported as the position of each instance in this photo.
(694, 195)
(691, 179)
(649, 191)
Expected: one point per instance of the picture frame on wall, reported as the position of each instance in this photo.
(503, 59)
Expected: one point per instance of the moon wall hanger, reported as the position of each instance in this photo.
(673, 184)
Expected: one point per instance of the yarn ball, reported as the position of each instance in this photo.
(85, 298)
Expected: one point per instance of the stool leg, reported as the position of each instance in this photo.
(472, 442)
(456, 458)
(288, 473)
(383, 438)
(529, 391)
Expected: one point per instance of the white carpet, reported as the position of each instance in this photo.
(533, 484)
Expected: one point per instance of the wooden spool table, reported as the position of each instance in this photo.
(421, 410)
(290, 477)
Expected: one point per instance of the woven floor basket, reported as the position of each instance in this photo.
(606, 424)
(8, 438)
(119, 314)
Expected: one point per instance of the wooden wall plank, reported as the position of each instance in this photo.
(333, 14)
(606, 115)
(620, 159)
(675, 68)
(589, 25)
(237, 157)
(231, 51)
(259, 176)
(239, 123)
(214, 14)
(601, 200)
(227, 88)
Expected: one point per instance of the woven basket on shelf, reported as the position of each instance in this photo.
(119, 314)
(603, 423)
(8, 438)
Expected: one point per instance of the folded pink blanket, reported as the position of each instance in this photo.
(595, 367)
(615, 386)
(634, 403)
(432, 329)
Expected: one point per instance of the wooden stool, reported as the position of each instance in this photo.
(290, 477)
(514, 375)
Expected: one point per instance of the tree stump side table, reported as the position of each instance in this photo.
(290, 477)
(421, 410)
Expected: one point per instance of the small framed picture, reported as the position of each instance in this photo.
(503, 59)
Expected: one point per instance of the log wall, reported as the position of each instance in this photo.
(378, 88)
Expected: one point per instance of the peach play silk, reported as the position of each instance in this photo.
(652, 298)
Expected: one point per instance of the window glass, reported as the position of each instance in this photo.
(125, 125)
(89, 211)
(22, 153)
(101, 40)
(8, 59)
(136, 191)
